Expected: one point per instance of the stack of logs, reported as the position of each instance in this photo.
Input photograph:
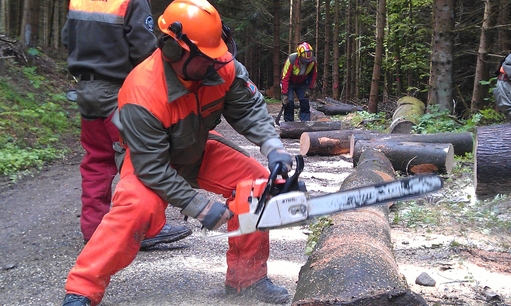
(353, 262)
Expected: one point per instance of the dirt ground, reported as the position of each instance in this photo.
(40, 240)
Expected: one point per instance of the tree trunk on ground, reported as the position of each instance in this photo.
(492, 165)
(336, 109)
(462, 142)
(331, 106)
(353, 263)
(295, 129)
(411, 157)
(406, 115)
(319, 116)
(329, 142)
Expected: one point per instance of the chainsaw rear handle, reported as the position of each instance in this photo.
(289, 181)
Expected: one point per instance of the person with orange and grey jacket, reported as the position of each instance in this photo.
(298, 77)
(105, 40)
(169, 106)
(502, 91)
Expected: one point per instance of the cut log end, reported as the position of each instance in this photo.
(304, 143)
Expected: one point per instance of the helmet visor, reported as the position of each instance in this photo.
(306, 56)
(212, 64)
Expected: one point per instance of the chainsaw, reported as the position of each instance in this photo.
(284, 202)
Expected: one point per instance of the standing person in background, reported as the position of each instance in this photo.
(168, 107)
(502, 91)
(105, 41)
(298, 77)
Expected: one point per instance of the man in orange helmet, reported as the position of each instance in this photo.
(298, 77)
(105, 40)
(168, 107)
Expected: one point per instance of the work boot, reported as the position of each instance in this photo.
(76, 300)
(167, 234)
(263, 290)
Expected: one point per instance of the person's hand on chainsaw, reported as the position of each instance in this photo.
(280, 156)
(212, 216)
(284, 99)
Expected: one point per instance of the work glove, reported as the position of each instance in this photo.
(280, 156)
(284, 99)
(214, 215)
(309, 92)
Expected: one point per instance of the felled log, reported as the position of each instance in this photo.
(318, 116)
(330, 107)
(353, 263)
(329, 142)
(411, 157)
(333, 101)
(406, 115)
(462, 142)
(295, 129)
(492, 160)
(335, 109)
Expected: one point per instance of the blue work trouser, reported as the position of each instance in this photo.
(299, 90)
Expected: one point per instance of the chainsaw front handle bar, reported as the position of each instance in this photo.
(290, 181)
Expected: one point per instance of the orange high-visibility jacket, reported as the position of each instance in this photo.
(164, 125)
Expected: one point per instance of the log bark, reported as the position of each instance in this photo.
(295, 129)
(353, 263)
(492, 162)
(462, 142)
(334, 109)
(329, 142)
(411, 157)
(333, 101)
(331, 106)
(319, 116)
(406, 115)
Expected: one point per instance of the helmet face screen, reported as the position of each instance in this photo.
(305, 52)
(307, 56)
(209, 65)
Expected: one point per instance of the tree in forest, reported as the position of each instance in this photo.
(276, 48)
(326, 55)
(335, 58)
(30, 23)
(440, 79)
(375, 80)
(502, 25)
(481, 73)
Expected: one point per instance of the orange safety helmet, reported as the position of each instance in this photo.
(199, 21)
(305, 52)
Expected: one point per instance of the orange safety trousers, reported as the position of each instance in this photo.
(137, 212)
